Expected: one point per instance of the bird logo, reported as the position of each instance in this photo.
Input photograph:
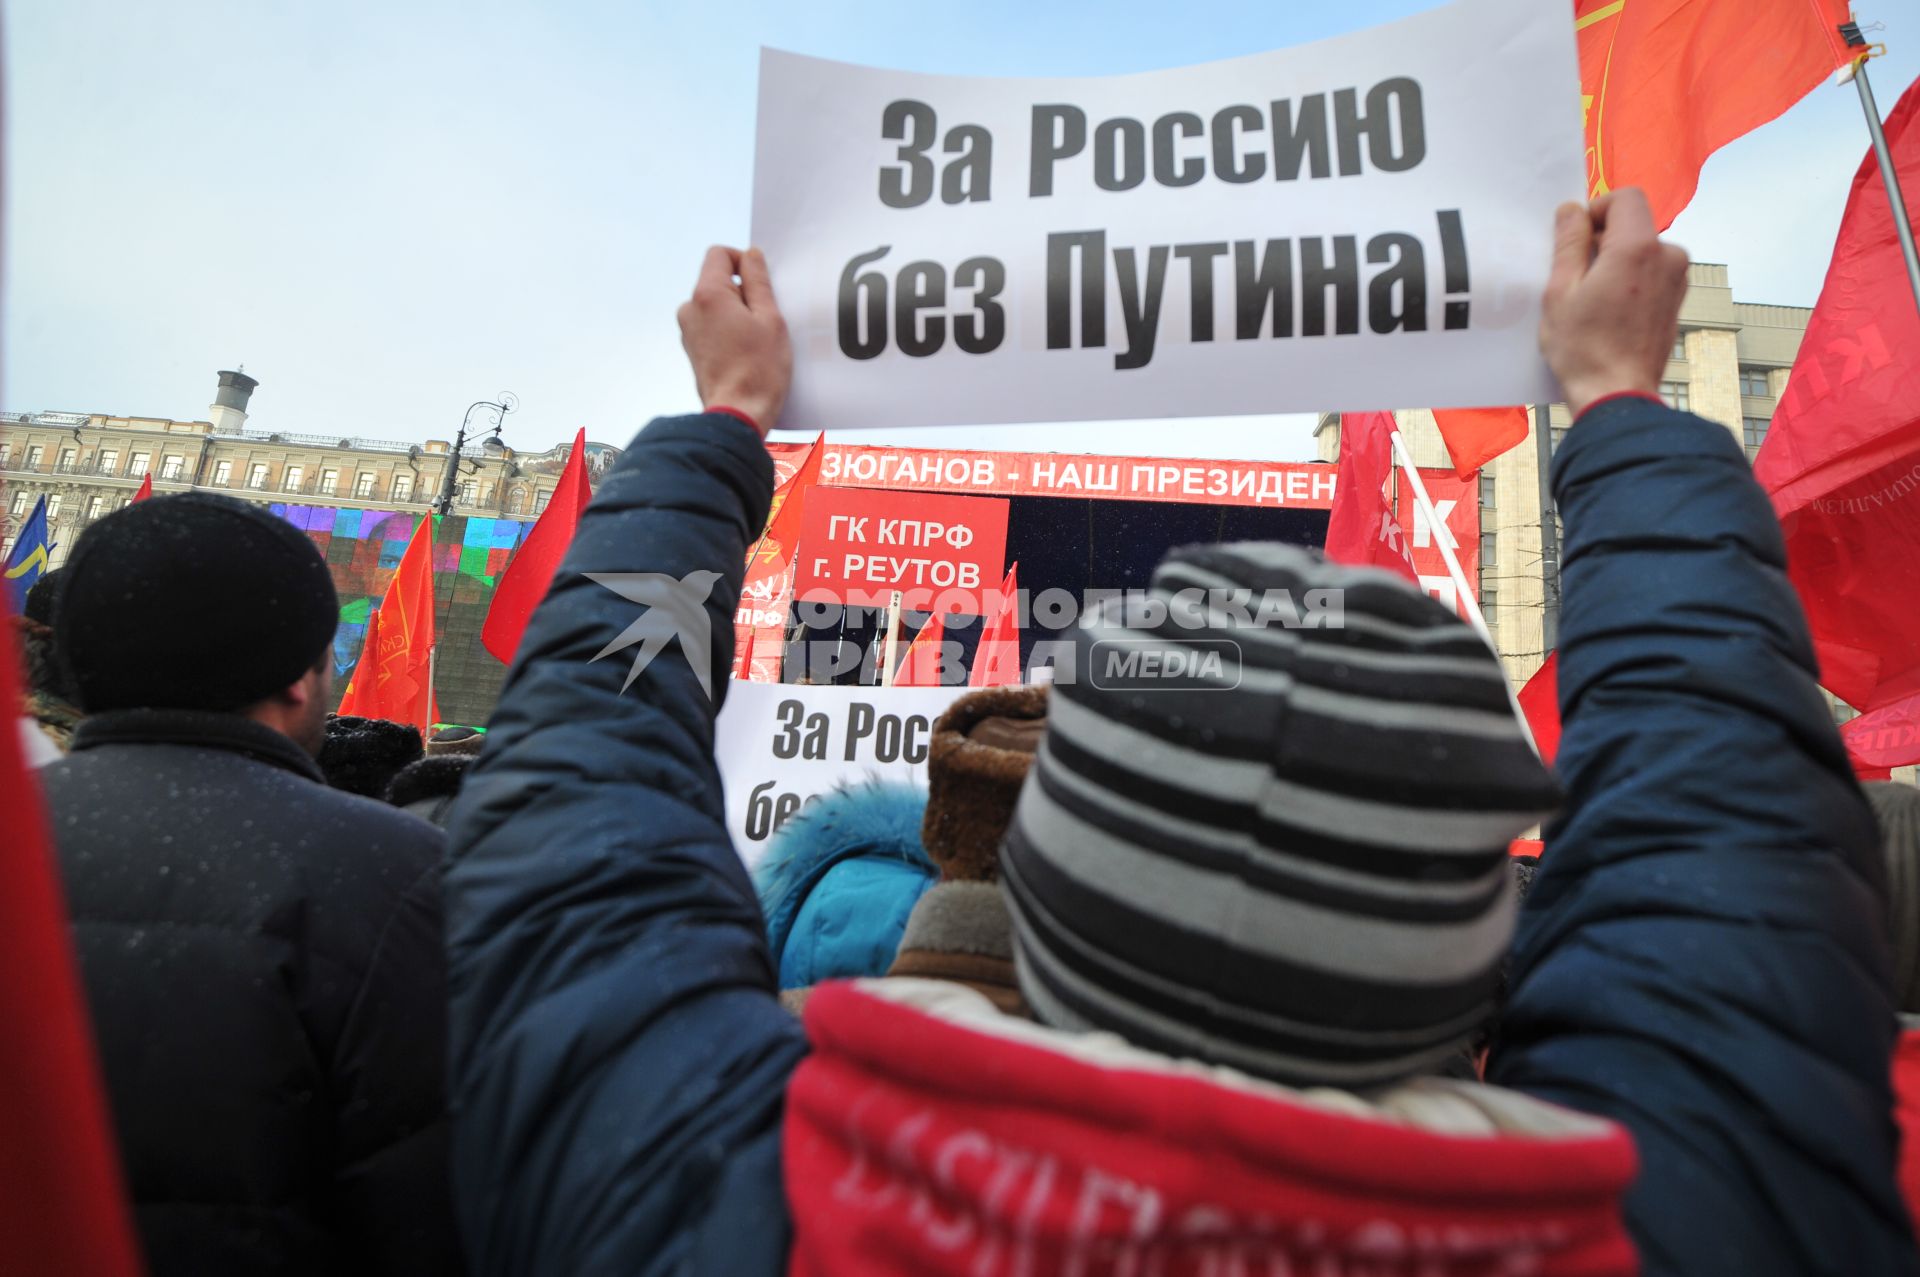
(676, 607)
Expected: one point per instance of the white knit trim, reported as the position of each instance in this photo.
(1440, 1106)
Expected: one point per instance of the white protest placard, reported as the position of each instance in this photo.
(779, 745)
(1361, 223)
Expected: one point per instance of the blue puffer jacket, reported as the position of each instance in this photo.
(839, 881)
(1703, 956)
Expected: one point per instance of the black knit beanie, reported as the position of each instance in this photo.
(1292, 858)
(193, 601)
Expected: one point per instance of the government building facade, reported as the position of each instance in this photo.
(89, 464)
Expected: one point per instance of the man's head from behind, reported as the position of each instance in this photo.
(1293, 862)
(201, 602)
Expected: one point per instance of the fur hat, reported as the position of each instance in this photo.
(363, 755)
(982, 749)
(455, 740)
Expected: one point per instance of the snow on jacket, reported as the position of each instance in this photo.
(265, 969)
(840, 879)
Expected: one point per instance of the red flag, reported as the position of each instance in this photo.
(1361, 529)
(1842, 458)
(789, 507)
(146, 489)
(526, 579)
(1540, 702)
(1886, 738)
(743, 667)
(996, 662)
(399, 684)
(1475, 436)
(381, 686)
(62, 1201)
(920, 667)
(1666, 83)
(768, 588)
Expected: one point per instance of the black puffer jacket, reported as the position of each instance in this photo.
(263, 961)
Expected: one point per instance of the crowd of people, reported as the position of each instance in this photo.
(1173, 981)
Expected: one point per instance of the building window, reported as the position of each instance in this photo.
(1754, 431)
(67, 458)
(540, 503)
(95, 507)
(53, 506)
(1486, 492)
(257, 475)
(137, 468)
(22, 501)
(363, 485)
(222, 473)
(1753, 381)
(469, 492)
(517, 502)
(290, 479)
(1489, 603)
(1557, 435)
(6, 454)
(107, 461)
(1675, 393)
(329, 482)
(1488, 552)
(34, 453)
(1680, 347)
(403, 487)
(171, 467)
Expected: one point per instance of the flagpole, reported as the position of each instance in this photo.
(1888, 174)
(1443, 538)
(1549, 532)
(893, 640)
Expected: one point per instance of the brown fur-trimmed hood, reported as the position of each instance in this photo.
(982, 748)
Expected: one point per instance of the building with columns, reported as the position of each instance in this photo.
(87, 464)
(358, 499)
(1729, 364)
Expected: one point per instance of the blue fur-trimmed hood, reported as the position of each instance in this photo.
(841, 878)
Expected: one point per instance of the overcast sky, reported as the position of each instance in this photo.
(389, 210)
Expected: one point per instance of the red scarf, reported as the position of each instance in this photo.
(929, 1134)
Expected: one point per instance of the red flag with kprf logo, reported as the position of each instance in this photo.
(921, 665)
(1362, 529)
(1842, 457)
(1666, 83)
(394, 679)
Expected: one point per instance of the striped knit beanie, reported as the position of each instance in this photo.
(1293, 861)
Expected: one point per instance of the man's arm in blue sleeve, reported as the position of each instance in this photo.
(1704, 954)
(619, 1058)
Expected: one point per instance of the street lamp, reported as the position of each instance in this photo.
(504, 405)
